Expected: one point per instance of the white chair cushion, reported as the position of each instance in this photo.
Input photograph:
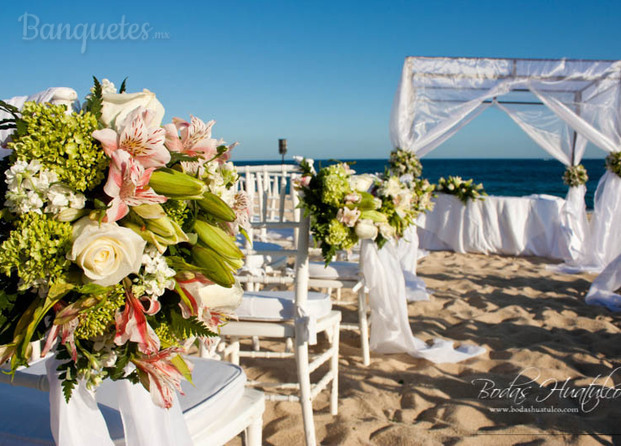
(279, 305)
(25, 415)
(256, 262)
(334, 271)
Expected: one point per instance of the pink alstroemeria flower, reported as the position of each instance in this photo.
(132, 325)
(128, 185)
(144, 143)
(66, 332)
(194, 139)
(164, 377)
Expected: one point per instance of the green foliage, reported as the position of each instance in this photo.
(37, 250)
(62, 143)
(184, 328)
(94, 101)
(123, 87)
(9, 123)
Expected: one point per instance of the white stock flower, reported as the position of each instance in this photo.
(106, 252)
(61, 197)
(157, 276)
(366, 229)
(28, 186)
(116, 107)
(392, 187)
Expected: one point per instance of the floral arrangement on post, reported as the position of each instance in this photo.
(613, 162)
(404, 162)
(464, 190)
(403, 199)
(575, 176)
(341, 209)
(117, 239)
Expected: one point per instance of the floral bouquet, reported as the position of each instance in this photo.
(404, 162)
(464, 190)
(613, 162)
(575, 176)
(342, 210)
(403, 199)
(117, 239)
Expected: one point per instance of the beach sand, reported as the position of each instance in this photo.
(540, 336)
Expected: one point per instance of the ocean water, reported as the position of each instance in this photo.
(506, 177)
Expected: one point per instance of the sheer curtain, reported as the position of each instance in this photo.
(594, 110)
(564, 144)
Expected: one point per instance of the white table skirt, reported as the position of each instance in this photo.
(528, 226)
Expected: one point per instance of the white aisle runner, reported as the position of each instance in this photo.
(390, 327)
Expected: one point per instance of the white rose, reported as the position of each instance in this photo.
(361, 183)
(106, 252)
(366, 229)
(116, 107)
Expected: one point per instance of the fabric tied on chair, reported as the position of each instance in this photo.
(308, 326)
(79, 421)
(407, 250)
(390, 328)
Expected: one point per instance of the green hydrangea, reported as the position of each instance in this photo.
(96, 321)
(337, 233)
(335, 184)
(177, 210)
(62, 143)
(37, 249)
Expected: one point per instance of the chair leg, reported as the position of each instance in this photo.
(256, 344)
(254, 433)
(234, 350)
(288, 345)
(301, 357)
(363, 323)
(334, 367)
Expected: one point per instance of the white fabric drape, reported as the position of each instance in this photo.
(390, 328)
(602, 291)
(79, 421)
(563, 143)
(407, 252)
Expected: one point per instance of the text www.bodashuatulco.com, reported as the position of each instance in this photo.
(532, 409)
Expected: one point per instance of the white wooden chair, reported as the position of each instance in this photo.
(297, 315)
(217, 408)
(270, 189)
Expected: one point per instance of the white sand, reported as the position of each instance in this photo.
(529, 319)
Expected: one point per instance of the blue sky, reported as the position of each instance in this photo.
(320, 73)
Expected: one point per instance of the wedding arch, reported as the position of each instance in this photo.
(560, 103)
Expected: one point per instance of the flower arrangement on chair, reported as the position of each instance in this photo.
(342, 210)
(117, 239)
(403, 199)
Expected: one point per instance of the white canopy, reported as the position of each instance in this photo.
(560, 104)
